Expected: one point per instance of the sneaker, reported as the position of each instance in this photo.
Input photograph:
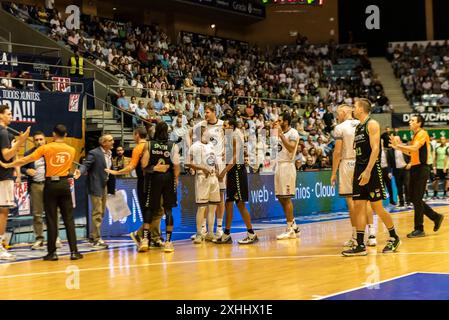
(438, 222)
(297, 231)
(198, 239)
(100, 244)
(392, 245)
(225, 239)
(250, 238)
(219, 233)
(58, 243)
(168, 246)
(350, 243)
(372, 242)
(5, 255)
(203, 233)
(416, 234)
(359, 250)
(156, 244)
(209, 237)
(143, 247)
(135, 237)
(289, 234)
(38, 245)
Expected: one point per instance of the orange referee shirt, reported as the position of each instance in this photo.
(137, 154)
(421, 156)
(59, 158)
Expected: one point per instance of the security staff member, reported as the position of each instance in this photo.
(76, 64)
(419, 150)
(59, 158)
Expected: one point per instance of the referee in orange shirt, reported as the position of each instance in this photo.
(59, 158)
(419, 150)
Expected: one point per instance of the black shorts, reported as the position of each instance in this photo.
(161, 185)
(439, 176)
(237, 184)
(374, 190)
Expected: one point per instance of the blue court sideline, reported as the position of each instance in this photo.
(417, 286)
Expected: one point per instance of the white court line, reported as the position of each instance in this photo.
(221, 260)
(362, 287)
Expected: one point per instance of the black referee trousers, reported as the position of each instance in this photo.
(57, 194)
(419, 175)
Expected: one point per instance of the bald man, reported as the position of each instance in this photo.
(344, 163)
(99, 184)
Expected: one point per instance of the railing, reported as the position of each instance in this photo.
(35, 50)
(44, 66)
(120, 111)
(74, 84)
(6, 34)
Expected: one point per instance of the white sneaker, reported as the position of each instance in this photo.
(58, 243)
(5, 255)
(351, 243)
(219, 233)
(144, 244)
(198, 239)
(203, 233)
(250, 238)
(372, 242)
(38, 245)
(288, 234)
(297, 231)
(168, 246)
(210, 237)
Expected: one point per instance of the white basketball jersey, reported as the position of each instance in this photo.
(203, 155)
(283, 154)
(345, 131)
(216, 136)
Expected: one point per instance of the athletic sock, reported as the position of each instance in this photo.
(251, 231)
(219, 223)
(290, 224)
(169, 234)
(393, 234)
(227, 231)
(360, 238)
(371, 230)
(146, 233)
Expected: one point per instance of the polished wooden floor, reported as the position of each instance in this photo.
(307, 268)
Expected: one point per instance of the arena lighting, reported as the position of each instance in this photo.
(212, 26)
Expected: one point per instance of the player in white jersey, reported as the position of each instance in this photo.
(285, 172)
(344, 163)
(207, 189)
(215, 132)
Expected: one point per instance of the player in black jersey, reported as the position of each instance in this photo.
(161, 183)
(367, 183)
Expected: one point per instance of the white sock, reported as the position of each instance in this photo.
(219, 223)
(294, 226)
(200, 222)
(290, 224)
(211, 217)
(371, 230)
(354, 233)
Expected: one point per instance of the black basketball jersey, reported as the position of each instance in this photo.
(362, 144)
(160, 153)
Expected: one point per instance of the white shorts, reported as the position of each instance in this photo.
(207, 190)
(285, 180)
(221, 167)
(345, 177)
(7, 194)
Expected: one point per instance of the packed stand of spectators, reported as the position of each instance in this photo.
(145, 58)
(424, 73)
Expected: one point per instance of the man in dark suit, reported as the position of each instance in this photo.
(99, 184)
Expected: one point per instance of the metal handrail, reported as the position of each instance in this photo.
(41, 80)
(122, 112)
(44, 64)
(29, 45)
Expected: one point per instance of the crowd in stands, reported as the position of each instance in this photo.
(424, 73)
(171, 79)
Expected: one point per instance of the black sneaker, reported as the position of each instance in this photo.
(438, 222)
(359, 250)
(392, 245)
(416, 234)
